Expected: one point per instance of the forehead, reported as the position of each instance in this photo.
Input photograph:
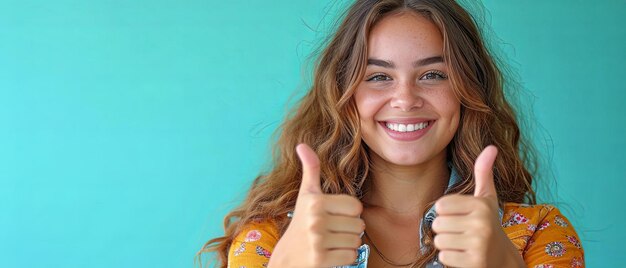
(404, 37)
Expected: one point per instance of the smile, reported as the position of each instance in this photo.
(407, 127)
(407, 131)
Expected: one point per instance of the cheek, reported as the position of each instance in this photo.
(454, 112)
(368, 105)
(450, 105)
(450, 108)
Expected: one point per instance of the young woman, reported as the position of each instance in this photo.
(406, 143)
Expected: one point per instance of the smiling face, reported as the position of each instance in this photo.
(407, 109)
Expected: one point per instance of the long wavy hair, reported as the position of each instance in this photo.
(326, 118)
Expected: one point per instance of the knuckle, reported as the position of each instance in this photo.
(441, 204)
(483, 205)
(352, 203)
(443, 257)
(445, 202)
(358, 207)
(361, 224)
(436, 224)
(316, 243)
(437, 241)
(352, 256)
(317, 224)
(311, 166)
(347, 257)
(316, 203)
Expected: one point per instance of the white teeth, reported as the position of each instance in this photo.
(406, 127)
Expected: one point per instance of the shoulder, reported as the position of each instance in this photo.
(542, 234)
(258, 230)
(254, 244)
(518, 213)
(520, 221)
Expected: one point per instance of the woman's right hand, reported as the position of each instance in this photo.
(325, 229)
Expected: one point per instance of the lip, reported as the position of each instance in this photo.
(406, 136)
(407, 120)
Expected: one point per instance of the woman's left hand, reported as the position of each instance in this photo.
(468, 229)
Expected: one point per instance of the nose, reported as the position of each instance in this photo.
(406, 97)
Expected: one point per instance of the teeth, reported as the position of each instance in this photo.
(406, 127)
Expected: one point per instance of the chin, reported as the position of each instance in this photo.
(405, 160)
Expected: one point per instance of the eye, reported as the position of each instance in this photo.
(434, 75)
(378, 77)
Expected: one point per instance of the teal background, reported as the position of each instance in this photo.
(128, 129)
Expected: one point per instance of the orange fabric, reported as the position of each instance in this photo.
(253, 246)
(543, 236)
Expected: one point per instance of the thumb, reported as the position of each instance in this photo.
(310, 170)
(483, 173)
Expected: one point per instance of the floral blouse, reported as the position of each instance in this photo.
(543, 236)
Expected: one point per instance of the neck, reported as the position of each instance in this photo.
(405, 190)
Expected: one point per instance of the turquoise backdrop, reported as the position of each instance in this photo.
(129, 128)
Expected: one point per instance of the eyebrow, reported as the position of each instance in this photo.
(417, 63)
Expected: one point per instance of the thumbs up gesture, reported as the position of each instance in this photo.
(468, 229)
(325, 229)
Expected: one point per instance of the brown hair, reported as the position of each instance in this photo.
(326, 118)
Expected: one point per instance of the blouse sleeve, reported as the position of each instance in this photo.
(253, 246)
(554, 244)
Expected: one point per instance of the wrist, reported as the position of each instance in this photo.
(276, 259)
(274, 262)
(512, 257)
(515, 259)
(517, 262)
